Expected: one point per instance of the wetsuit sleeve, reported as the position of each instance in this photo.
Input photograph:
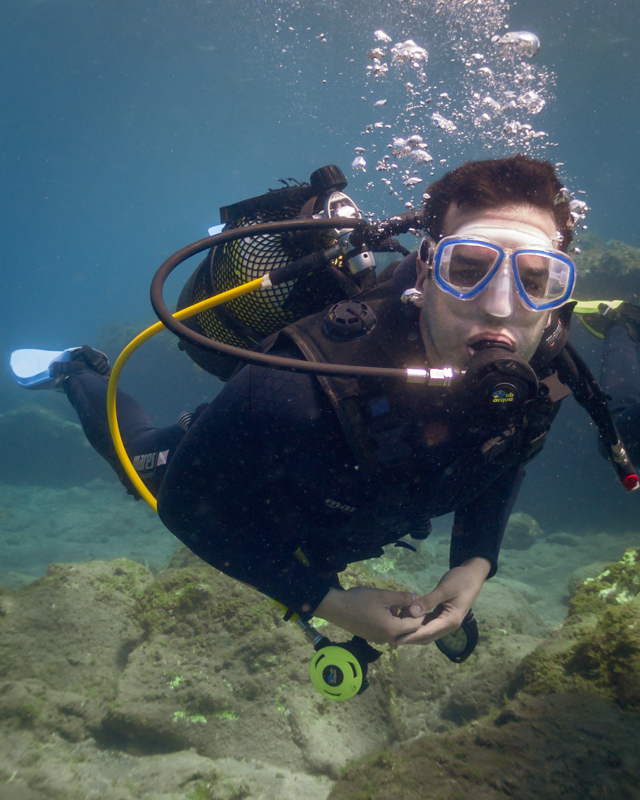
(478, 528)
(240, 488)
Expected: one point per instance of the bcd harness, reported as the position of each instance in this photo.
(373, 411)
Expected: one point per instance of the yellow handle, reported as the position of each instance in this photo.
(122, 359)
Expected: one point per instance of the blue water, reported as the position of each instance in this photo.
(126, 125)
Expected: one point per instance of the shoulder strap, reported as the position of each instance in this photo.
(345, 397)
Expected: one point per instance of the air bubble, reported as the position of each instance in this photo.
(400, 147)
(380, 103)
(577, 213)
(443, 123)
(518, 44)
(563, 196)
(409, 51)
(489, 102)
(420, 157)
(377, 68)
(381, 36)
(532, 102)
(359, 163)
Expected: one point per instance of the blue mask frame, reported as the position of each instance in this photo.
(509, 253)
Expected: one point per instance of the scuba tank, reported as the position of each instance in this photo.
(246, 321)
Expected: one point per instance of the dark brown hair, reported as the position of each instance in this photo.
(498, 182)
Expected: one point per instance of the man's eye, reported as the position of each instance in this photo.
(534, 284)
(467, 274)
(466, 277)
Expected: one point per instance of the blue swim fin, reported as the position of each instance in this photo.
(32, 368)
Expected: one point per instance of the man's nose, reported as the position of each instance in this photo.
(496, 300)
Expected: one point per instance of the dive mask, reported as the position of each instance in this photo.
(467, 262)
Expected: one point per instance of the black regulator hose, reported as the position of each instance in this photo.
(360, 226)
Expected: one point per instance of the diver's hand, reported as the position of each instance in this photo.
(443, 610)
(372, 614)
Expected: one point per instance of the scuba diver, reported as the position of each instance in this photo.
(288, 476)
(618, 324)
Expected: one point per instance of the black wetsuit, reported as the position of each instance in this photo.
(265, 469)
(620, 379)
(264, 486)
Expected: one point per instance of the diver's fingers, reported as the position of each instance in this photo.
(395, 600)
(433, 630)
(423, 605)
(399, 627)
(386, 629)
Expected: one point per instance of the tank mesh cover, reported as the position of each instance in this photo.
(262, 312)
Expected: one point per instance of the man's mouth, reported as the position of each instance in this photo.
(483, 339)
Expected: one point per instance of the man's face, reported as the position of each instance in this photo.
(450, 326)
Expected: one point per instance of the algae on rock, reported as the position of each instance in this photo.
(597, 649)
(610, 270)
(529, 751)
(617, 584)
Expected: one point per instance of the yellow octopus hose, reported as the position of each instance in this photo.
(122, 359)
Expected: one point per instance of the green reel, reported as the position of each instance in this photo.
(336, 673)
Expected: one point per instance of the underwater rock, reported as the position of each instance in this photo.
(566, 539)
(610, 270)
(502, 610)
(522, 532)
(570, 748)
(509, 630)
(190, 659)
(33, 441)
(64, 770)
(597, 650)
(480, 686)
(617, 584)
(582, 573)
(105, 653)
(64, 639)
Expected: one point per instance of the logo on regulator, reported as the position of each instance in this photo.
(503, 396)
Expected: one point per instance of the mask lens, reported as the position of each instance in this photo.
(454, 643)
(464, 266)
(543, 277)
(458, 646)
